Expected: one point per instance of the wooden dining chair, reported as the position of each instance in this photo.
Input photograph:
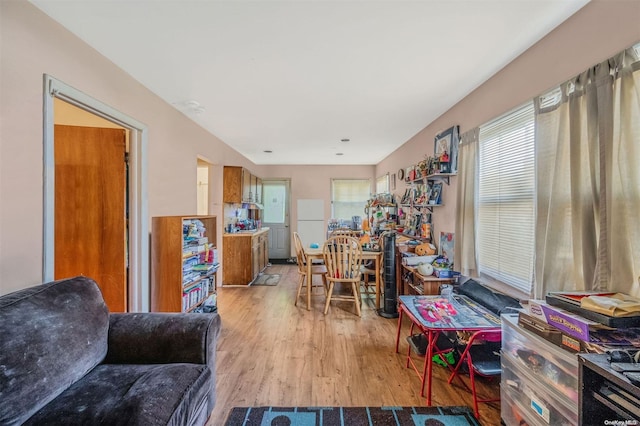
(368, 287)
(342, 258)
(345, 232)
(316, 269)
(481, 356)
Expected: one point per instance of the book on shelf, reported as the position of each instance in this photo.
(194, 295)
(204, 267)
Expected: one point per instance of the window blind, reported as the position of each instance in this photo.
(348, 197)
(506, 199)
(382, 184)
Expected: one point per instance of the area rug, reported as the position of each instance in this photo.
(351, 416)
(267, 279)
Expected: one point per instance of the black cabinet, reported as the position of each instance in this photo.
(606, 396)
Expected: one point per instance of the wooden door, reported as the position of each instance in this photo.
(90, 209)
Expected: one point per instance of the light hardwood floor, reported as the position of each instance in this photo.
(271, 352)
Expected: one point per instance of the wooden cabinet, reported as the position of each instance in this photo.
(258, 191)
(184, 262)
(247, 195)
(232, 184)
(259, 252)
(240, 186)
(245, 255)
(415, 283)
(236, 185)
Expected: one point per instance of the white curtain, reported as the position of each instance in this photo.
(588, 180)
(465, 251)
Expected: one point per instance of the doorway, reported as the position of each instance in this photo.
(275, 197)
(202, 186)
(136, 234)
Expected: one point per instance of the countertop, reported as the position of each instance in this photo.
(247, 233)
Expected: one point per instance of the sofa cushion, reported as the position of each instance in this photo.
(127, 394)
(50, 336)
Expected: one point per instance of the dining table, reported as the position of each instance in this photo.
(315, 253)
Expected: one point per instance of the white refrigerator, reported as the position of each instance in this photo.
(311, 224)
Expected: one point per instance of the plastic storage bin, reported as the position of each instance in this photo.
(539, 382)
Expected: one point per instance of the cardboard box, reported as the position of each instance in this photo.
(565, 321)
(589, 332)
(568, 342)
(549, 332)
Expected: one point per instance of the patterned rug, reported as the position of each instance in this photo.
(351, 416)
(267, 279)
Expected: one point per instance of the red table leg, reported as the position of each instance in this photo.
(427, 372)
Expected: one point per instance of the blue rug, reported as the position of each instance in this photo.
(351, 416)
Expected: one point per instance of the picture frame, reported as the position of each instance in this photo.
(435, 193)
(445, 148)
(447, 246)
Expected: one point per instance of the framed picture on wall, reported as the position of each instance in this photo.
(446, 150)
(435, 193)
(447, 245)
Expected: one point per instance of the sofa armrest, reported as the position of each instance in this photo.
(161, 338)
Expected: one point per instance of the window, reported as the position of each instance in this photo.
(505, 203)
(382, 184)
(349, 197)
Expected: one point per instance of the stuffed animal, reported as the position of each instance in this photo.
(426, 249)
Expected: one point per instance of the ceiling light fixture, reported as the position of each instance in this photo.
(339, 153)
(191, 106)
(268, 151)
(345, 140)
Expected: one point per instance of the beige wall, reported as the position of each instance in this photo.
(596, 32)
(31, 44)
(315, 182)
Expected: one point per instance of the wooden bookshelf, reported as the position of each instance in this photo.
(174, 256)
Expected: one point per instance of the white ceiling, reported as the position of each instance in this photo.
(296, 77)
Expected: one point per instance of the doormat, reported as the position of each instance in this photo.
(367, 416)
(288, 261)
(267, 279)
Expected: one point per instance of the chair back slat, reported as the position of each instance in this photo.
(342, 256)
(301, 258)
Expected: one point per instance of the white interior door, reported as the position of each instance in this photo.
(275, 197)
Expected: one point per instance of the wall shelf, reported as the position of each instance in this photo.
(436, 176)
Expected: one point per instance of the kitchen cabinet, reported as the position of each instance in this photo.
(247, 194)
(244, 256)
(253, 189)
(240, 186)
(184, 262)
(259, 252)
(258, 191)
(232, 184)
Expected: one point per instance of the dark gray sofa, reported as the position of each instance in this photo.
(65, 360)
